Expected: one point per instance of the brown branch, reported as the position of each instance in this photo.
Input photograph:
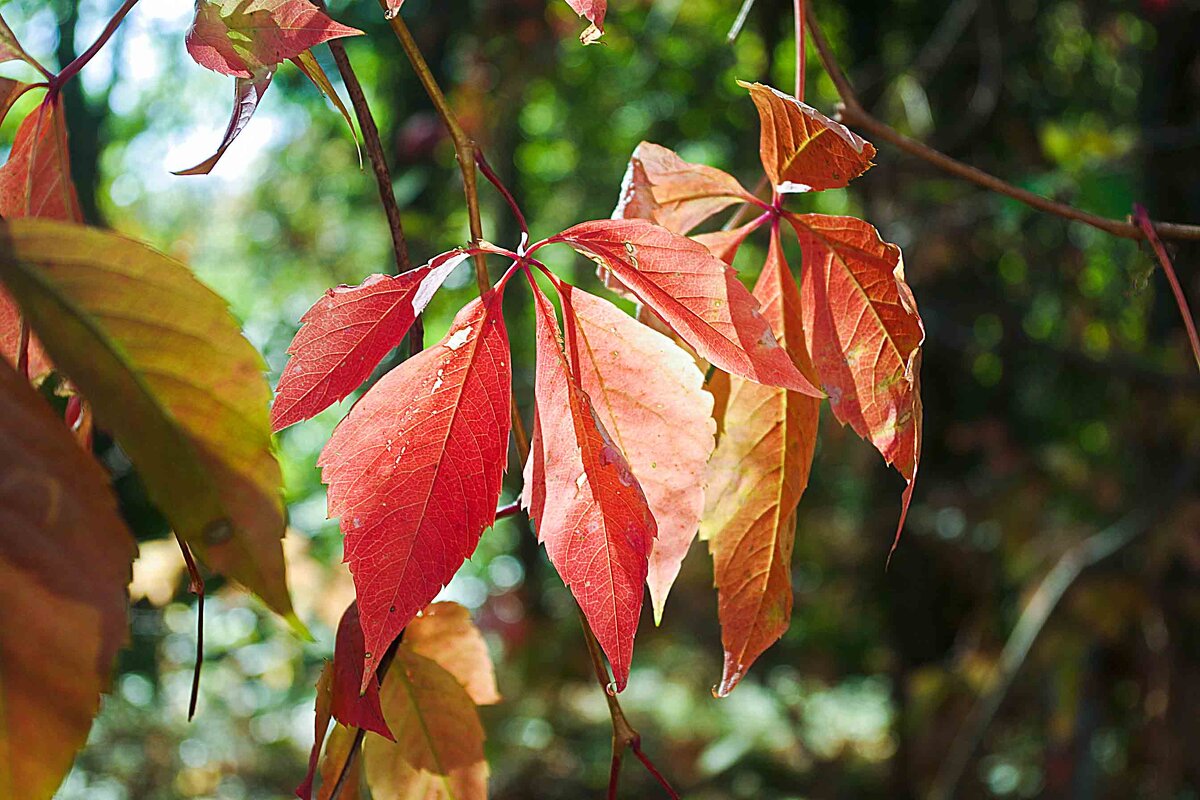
(854, 115)
(1143, 221)
(464, 146)
(624, 735)
(375, 152)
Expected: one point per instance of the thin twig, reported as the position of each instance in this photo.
(464, 150)
(486, 170)
(854, 115)
(1143, 221)
(464, 145)
(624, 735)
(740, 21)
(375, 152)
(801, 54)
(1037, 611)
(196, 587)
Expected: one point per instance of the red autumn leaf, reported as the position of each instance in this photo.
(10, 48)
(10, 92)
(663, 188)
(247, 93)
(802, 149)
(35, 182)
(36, 179)
(244, 38)
(347, 705)
(348, 332)
(10, 339)
(414, 471)
(648, 394)
(590, 511)
(864, 334)
(593, 11)
(755, 480)
(694, 292)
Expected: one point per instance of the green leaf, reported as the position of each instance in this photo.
(166, 369)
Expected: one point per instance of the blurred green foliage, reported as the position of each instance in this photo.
(1057, 386)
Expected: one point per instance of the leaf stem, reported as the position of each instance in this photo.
(486, 170)
(853, 114)
(464, 146)
(196, 587)
(375, 151)
(801, 54)
(70, 70)
(1143, 221)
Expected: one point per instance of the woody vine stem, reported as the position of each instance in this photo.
(854, 115)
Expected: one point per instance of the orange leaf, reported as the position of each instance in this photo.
(864, 334)
(444, 633)
(755, 480)
(661, 187)
(65, 560)
(438, 752)
(803, 150)
(725, 244)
